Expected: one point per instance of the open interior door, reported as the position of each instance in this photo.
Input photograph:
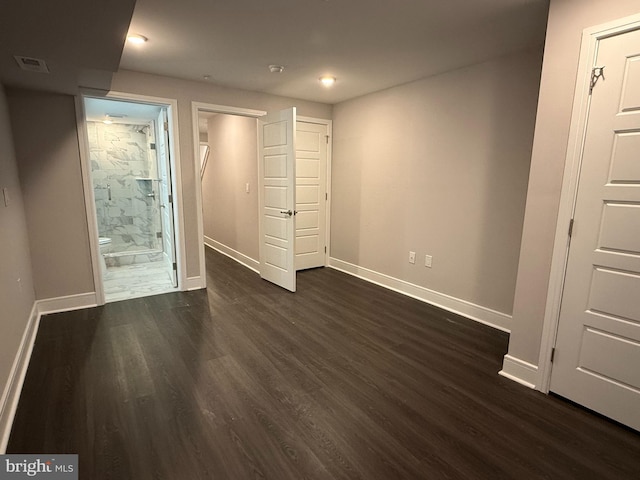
(166, 195)
(276, 173)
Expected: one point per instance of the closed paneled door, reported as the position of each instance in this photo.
(311, 194)
(597, 360)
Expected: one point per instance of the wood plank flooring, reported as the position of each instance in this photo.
(342, 380)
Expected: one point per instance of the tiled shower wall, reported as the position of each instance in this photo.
(120, 157)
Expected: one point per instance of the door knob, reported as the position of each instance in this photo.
(288, 212)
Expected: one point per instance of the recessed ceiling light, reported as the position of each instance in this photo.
(276, 68)
(137, 39)
(107, 120)
(327, 80)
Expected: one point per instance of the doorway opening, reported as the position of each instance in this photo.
(228, 175)
(226, 138)
(131, 180)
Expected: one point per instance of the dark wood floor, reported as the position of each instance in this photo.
(341, 380)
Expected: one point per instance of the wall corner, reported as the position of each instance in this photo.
(518, 370)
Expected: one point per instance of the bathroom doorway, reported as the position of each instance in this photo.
(130, 169)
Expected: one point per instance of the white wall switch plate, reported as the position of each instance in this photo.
(412, 257)
(427, 260)
(246, 187)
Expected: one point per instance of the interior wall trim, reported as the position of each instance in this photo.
(196, 108)
(241, 258)
(194, 283)
(487, 316)
(90, 199)
(524, 373)
(67, 303)
(11, 394)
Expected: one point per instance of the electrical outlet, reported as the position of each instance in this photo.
(427, 260)
(412, 257)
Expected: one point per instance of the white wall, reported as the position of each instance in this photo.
(16, 297)
(185, 92)
(230, 214)
(439, 166)
(46, 145)
(567, 20)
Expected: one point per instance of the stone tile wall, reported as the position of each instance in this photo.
(122, 160)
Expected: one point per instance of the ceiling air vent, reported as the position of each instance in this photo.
(31, 64)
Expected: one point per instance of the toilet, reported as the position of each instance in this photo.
(105, 247)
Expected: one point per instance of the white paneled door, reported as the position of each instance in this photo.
(311, 194)
(277, 199)
(597, 357)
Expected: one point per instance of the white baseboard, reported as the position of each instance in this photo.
(11, 395)
(234, 254)
(67, 304)
(194, 283)
(487, 316)
(519, 371)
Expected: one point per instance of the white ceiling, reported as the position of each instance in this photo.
(368, 45)
(81, 41)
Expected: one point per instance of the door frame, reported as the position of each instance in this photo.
(573, 160)
(196, 108)
(176, 180)
(329, 124)
(163, 137)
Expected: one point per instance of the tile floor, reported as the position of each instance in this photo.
(137, 280)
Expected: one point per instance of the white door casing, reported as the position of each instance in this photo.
(179, 240)
(277, 198)
(311, 194)
(166, 194)
(196, 109)
(597, 355)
